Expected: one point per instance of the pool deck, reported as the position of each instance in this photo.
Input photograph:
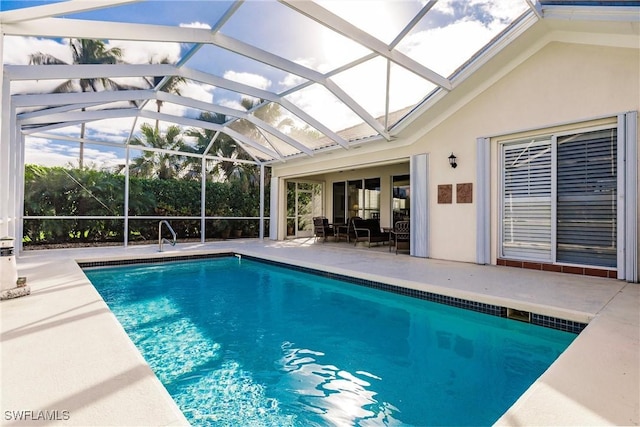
(63, 351)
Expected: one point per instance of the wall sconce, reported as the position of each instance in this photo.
(452, 161)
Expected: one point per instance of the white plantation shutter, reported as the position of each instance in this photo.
(526, 200)
(587, 198)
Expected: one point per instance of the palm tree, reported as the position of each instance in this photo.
(172, 85)
(84, 51)
(223, 146)
(157, 164)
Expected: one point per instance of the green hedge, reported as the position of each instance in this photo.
(58, 191)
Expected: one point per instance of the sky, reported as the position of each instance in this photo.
(447, 36)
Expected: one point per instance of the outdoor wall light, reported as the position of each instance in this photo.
(452, 161)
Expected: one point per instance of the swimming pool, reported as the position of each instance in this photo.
(241, 342)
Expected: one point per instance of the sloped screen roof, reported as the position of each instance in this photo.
(282, 78)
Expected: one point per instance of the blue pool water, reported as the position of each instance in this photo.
(240, 342)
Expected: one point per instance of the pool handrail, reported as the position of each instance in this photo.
(162, 240)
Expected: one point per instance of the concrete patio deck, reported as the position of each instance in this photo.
(64, 352)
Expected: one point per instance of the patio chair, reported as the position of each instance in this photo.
(346, 231)
(400, 236)
(369, 230)
(322, 228)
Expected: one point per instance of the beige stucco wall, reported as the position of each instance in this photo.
(559, 84)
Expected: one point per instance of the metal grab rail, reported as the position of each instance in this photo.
(162, 240)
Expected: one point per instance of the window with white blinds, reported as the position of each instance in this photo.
(559, 199)
(586, 198)
(526, 201)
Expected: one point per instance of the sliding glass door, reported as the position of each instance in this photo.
(359, 197)
(304, 201)
(401, 198)
(559, 199)
(339, 203)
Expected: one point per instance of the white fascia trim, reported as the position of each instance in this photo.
(630, 41)
(592, 13)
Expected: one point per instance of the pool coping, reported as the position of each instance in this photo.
(582, 387)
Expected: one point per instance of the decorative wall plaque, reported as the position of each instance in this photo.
(464, 193)
(445, 193)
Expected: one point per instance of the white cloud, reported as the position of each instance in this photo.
(102, 159)
(136, 52)
(17, 49)
(197, 91)
(251, 79)
(112, 130)
(33, 87)
(445, 49)
(319, 103)
(196, 24)
(381, 18)
(232, 103)
(495, 9)
(291, 80)
(193, 90)
(47, 152)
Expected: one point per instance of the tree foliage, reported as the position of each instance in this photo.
(84, 51)
(57, 191)
(158, 164)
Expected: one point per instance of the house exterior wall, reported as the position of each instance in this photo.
(562, 85)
